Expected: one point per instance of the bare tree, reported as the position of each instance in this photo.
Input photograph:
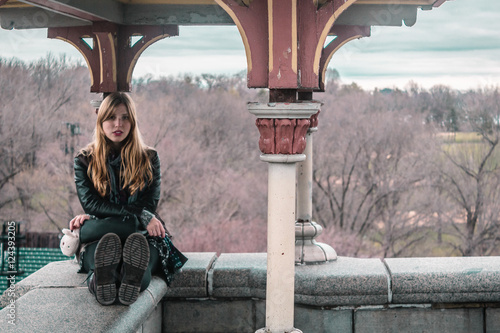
(470, 180)
(208, 146)
(370, 172)
(33, 99)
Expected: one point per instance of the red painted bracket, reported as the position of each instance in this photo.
(344, 33)
(111, 58)
(284, 39)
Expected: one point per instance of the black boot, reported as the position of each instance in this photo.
(91, 283)
(107, 256)
(135, 262)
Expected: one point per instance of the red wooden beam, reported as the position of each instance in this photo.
(283, 44)
(438, 3)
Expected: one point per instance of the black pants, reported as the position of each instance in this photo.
(153, 266)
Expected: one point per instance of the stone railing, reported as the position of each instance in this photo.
(227, 294)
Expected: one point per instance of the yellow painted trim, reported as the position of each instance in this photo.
(169, 2)
(243, 35)
(113, 50)
(395, 2)
(294, 36)
(84, 57)
(15, 4)
(113, 57)
(332, 53)
(324, 34)
(214, 2)
(270, 33)
(101, 74)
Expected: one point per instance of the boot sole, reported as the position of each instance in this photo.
(106, 259)
(135, 262)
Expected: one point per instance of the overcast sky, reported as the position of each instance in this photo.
(457, 44)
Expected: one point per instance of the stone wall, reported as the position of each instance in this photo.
(227, 294)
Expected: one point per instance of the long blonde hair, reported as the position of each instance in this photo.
(135, 169)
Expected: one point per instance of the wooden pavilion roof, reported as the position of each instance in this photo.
(29, 14)
(283, 39)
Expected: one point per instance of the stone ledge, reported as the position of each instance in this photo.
(239, 275)
(353, 281)
(54, 309)
(192, 281)
(59, 274)
(346, 281)
(445, 280)
(56, 296)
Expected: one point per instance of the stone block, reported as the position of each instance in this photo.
(209, 316)
(318, 320)
(154, 323)
(492, 320)
(346, 281)
(239, 275)
(445, 280)
(260, 313)
(192, 280)
(417, 320)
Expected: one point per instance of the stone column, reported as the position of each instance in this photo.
(282, 128)
(307, 250)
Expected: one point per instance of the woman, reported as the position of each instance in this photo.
(118, 183)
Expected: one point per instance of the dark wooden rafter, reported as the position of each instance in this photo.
(112, 58)
(282, 95)
(3, 2)
(344, 34)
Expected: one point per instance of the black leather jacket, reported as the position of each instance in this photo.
(94, 204)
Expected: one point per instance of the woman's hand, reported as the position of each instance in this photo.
(155, 228)
(78, 221)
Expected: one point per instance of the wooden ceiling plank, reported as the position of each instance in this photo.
(89, 10)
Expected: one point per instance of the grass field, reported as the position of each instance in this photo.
(469, 148)
(461, 137)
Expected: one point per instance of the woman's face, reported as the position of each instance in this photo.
(117, 127)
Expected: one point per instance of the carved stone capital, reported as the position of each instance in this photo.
(283, 126)
(282, 136)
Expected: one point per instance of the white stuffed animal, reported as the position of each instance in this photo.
(70, 242)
